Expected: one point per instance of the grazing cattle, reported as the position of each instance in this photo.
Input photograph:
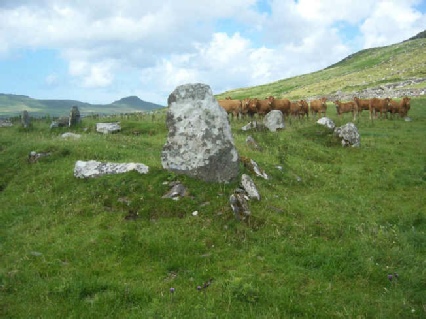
(379, 105)
(304, 109)
(228, 98)
(318, 106)
(346, 107)
(295, 108)
(264, 106)
(282, 105)
(362, 104)
(402, 107)
(250, 107)
(232, 107)
(245, 107)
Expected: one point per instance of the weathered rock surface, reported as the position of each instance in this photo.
(108, 128)
(74, 118)
(199, 143)
(83, 169)
(176, 191)
(71, 135)
(25, 119)
(61, 122)
(274, 120)
(252, 166)
(250, 187)
(253, 144)
(349, 135)
(239, 205)
(327, 122)
(5, 123)
(34, 156)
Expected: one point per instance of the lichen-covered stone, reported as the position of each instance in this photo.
(200, 142)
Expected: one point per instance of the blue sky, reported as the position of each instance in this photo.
(98, 51)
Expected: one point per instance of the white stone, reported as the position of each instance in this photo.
(274, 120)
(83, 169)
(108, 128)
(250, 187)
(326, 122)
(71, 135)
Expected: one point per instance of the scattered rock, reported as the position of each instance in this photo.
(61, 122)
(274, 121)
(87, 169)
(349, 135)
(252, 166)
(74, 118)
(34, 156)
(176, 191)
(5, 123)
(249, 126)
(200, 142)
(249, 187)
(71, 135)
(327, 122)
(252, 143)
(108, 128)
(239, 205)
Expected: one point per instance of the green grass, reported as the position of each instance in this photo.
(331, 226)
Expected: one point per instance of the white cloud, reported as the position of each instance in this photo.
(167, 43)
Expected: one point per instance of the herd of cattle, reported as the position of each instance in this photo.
(300, 109)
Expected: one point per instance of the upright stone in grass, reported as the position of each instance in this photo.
(200, 142)
(74, 118)
(274, 120)
(349, 135)
(108, 128)
(25, 119)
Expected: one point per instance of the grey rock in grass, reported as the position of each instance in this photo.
(108, 128)
(200, 142)
(74, 118)
(61, 122)
(70, 135)
(252, 166)
(25, 119)
(249, 126)
(250, 187)
(34, 156)
(5, 123)
(83, 169)
(274, 121)
(349, 135)
(253, 144)
(239, 204)
(176, 191)
(325, 121)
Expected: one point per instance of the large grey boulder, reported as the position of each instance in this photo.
(200, 142)
(349, 135)
(108, 128)
(274, 120)
(83, 169)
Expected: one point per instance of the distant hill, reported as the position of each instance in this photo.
(12, 105)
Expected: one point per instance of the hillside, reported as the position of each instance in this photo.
(401, 66)
(12, 105)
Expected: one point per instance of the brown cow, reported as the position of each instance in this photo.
(282, 105)
(346, 107)
(264, 106)
(245, 107)
(304, 109)
(379, 105)
(402, 107)
(362, 104)
(318, 106)
(295, 108)
(232, 107)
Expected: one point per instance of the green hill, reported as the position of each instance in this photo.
(399, 65)
(12, 105)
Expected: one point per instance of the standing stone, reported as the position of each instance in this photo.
(349, 135)
(200, 142)
(25, 119)
(74, 118)
(274, 120)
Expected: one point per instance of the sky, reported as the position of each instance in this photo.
(99, 51)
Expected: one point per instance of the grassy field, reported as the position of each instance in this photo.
(331, 227)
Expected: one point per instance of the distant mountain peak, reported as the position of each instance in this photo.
(136, 102)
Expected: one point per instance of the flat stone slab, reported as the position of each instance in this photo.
(92, 168)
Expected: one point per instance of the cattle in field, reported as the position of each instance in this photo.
(228, 98)
(304, 109)
(379, 106)
(318, 106)
(346, 107)
(402, 107)
(250, 107)
(245, 107)
(282, 105)
(232, 107)
(295, 108)
(362, 104)
(264, 106)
